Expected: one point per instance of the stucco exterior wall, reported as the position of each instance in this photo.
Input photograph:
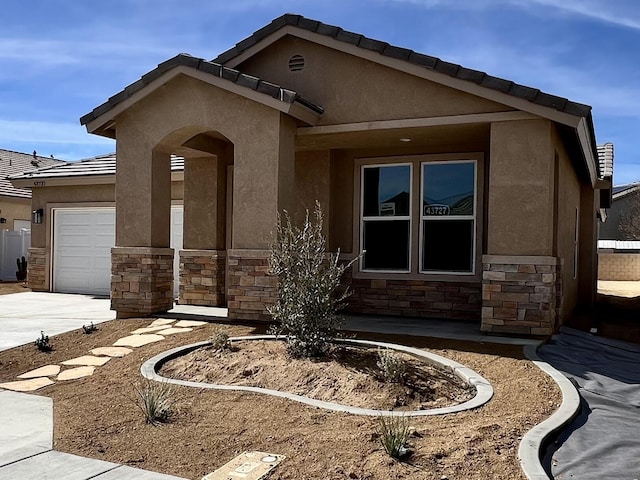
(186, 107)
(566, 205)
(520, 206)
(12, 208)
(355, 90)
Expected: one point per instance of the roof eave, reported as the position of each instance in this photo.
(101, 120)
(577, 117)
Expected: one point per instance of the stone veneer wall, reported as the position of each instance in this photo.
(202, 277)
(141, 280)
(414, 298)
(37, 270)
(619, 266)
(250, 288)
(521, 294)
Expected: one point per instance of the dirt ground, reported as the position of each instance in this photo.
(13, 287)
(97, 416)
(349, 376)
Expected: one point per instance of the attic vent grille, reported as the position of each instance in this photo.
(296, 63)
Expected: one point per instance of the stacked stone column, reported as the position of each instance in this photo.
(251, 289)
(202, 277)
(141, 280)
(520, 294)
(37, 271)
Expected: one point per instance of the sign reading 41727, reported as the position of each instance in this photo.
(435, 210)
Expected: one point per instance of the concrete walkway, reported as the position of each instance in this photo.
(23, 315)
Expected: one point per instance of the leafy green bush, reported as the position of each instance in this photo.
(155, 400)
(393, 367)
(394, 434)
(308, 282)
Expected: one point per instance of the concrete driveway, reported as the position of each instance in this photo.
(24, 315)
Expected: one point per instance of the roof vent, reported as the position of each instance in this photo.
(296, 63)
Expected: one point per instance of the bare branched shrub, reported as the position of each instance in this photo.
(394, 435)
(393, 367)
(308, 280)
(155, 400)
(220, 341)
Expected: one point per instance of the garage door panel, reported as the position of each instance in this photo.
(83, 239)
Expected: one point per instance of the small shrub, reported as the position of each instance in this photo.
(308, 282)
(89, 328)
(155, 399)
(394, 434)
(393, 367)
(220, 341)
(43, 343)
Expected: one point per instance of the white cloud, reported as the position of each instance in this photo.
(620, 12)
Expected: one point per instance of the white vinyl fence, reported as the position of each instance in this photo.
(13, 245)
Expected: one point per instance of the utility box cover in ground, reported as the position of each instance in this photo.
(247, 466)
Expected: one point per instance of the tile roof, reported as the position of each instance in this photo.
(12, 163)
(605, 160)
(96, 166)
(212, 68)
(432, 63)
(620, 191)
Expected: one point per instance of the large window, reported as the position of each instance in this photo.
(432, 234)
(448, 217)
(386, 217)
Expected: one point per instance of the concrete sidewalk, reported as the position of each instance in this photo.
(26, 447)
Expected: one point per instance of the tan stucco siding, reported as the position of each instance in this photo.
(14, 209)
(568, 200)
(263, 154)
(353, 89)
(312, 184)
(520, 210)
(75, 196)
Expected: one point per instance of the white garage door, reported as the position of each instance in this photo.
(82, 241)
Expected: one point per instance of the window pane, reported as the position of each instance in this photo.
(447, 245)
(448, 188)
(387, 191)
(386, 245)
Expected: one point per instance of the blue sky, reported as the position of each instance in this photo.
(61, 58)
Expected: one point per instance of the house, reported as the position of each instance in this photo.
(625, 202)
(15, 203)
(473, 197)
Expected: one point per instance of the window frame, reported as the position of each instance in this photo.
(416, 159)
(448, 218)
(363, 219)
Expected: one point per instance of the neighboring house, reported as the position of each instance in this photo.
(78, 200)
(473, 197)
(15, 203)
(623, 199)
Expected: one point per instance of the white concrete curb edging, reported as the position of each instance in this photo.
(484, 390)
(532, 442)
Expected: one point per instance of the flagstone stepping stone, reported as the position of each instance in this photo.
(27, 385)
(78, 372)
(171, 331)
(190, 323)
(138, 340)
(149, 329)
(46, 371)
(87, 360)
(112, 351)
(162, 321)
